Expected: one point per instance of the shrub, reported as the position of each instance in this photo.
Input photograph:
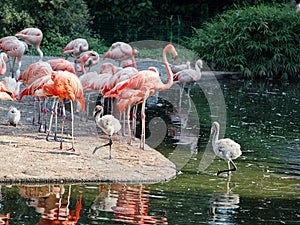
(258, 41)
(60, 21)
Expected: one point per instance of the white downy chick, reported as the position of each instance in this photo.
(14, 116)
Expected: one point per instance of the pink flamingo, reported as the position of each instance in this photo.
(32, 73)
(187, 77)
(3, 60)
(121, 75)
(184, 66)
(66, 85)
(15, 49)
(36, 89)
(61, 64)
(112, 81)
(86, 59)
(147, 81)
(12, 85)
(93, 82)
(120, 51)
(75, 47)
(125, 99)
(87, 80)
(109, 68)
(6, 94)
(32, 36)
(35, 71)
(58, 64)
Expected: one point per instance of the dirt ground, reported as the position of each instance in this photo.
(26, 156)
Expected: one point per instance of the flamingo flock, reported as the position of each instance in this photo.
(63, 81)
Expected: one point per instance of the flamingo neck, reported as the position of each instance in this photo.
(198, 69)
(40, 53)
(215, 136)
(108, 65)
(82, 67)
(98, 115)
(112, 69)
(169, 71)
(133, 60)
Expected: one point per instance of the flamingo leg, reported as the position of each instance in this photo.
(87, 106)
(56, 120)
(72, 149)
(42, 127)
(143, 115)
(128, 124)
(123, 128)
(108, 144)
(54, 105)
(134, 121)
(63, 122)
(19, 68)
(12, 68)
(35, 100)
(189, 98)
(228, 170)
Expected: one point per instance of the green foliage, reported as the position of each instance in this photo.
(121, 19)
(60, 20)
(259, 41)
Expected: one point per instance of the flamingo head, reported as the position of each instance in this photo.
(170, 48)
(99, 110)
(215, 126)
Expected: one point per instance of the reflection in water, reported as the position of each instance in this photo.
(128, 202)
(49, 202)
(3, 217)
(224, 206)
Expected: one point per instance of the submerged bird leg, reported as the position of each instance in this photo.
(108, 144)
(181, 90)
(189, 98)
(229, 170)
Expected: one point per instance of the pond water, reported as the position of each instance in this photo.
(264, 117)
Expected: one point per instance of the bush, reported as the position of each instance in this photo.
(60, 21)
(258, 41)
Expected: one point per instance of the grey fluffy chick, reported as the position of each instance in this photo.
(14, 116)
(108, 124)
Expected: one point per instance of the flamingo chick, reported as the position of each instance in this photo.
(226, 148)
(14, 116)
(108, 124)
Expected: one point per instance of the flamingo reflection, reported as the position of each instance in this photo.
(49, 202)
(128, 202)
(224, 205)
(3, 217)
